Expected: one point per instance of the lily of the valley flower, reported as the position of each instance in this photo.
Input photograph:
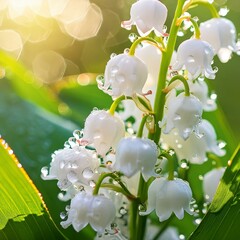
(211, 181)
(124, 75)
(103, 130)
(167, 197)
(98, 211)
(195, 148)
(196, 57)
(147, 15)
(200, 90)
(183, 113)
(221, 34)
(136, 154)
(72, 166)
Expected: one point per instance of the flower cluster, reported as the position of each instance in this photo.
(110, 155)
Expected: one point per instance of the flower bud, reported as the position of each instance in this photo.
(183, 113)
(124, 75)
(147, 15)
(167, 197)
(136, 154)
(220, 33)
(196, 57)
(98, 211)
(103, 130)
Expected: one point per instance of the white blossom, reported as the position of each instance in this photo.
(183, 113)
(200, 90)
(147, 15)
(136, 154)
(195, 148)
(196, 57)
(167, 197)
(98, 211)
(103, 130)
(211, 181)
(221, 34)
(72, 166)
(124, 75)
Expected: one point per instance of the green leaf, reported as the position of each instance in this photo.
(21, 202)
(223, 218)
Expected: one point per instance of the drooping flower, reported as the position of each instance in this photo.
(196, 57)
(183, 113)
(211, 181)
(72, 166)
(98, 211)
(220, 33)
(167, 197)
(195, 148)
(124, 75)
(200, 90)
(147, 15)
(103, 130)
(136, 154)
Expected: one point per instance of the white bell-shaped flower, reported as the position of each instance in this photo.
(72, 166)
(220, 33)
(196, 57)
(103, 130)
(124, 75)
(136, 154)
(195, 148)
(147, 15)
(98, 211)
(200, 90)
(211, 181)
(167, 197)
(183, 113)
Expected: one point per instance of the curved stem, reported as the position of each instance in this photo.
(115, 104)
(139, 40)
(210, 6)
(141, 127)
(197, 32)
(183, 80)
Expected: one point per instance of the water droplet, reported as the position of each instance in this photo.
(92, 184)
(67, 145)
(171, 152)
(122, 211)
(95, 109)
(177, 118)
(223, 11)
(63, 215)
(221, 144)
(132, 37)
(164, 28)
(184, 163)
(126, 50)
(113, 55)
(72, 141)
(180, 33)
(44, 172)
(181, 237)
(142, 208)
(196, 19)
(197, 221)
(109, 163)
(200, 177)
(78, 134)
(19, 165)
(63, 184)
(199, 135)
(114, 70)
(179, 146)
(67, 208)
(72, 176)
(158, 170)
(87, 173)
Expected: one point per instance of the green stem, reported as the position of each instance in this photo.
(166, 58)
(205, 4)
(141, 127)
(216, 159)
(115, 104)
(183, 80)
(171, 166)
(139, 40)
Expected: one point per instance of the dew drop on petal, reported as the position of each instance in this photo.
(221, 144)
(72, 141)
(67, 145)
(63, 215)
(44, 171)
(122, 211)
(72, 176)
(87, 173)
(77, 134)
(92, 184)
(113, 55)
(126, 50)
(132, 37)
